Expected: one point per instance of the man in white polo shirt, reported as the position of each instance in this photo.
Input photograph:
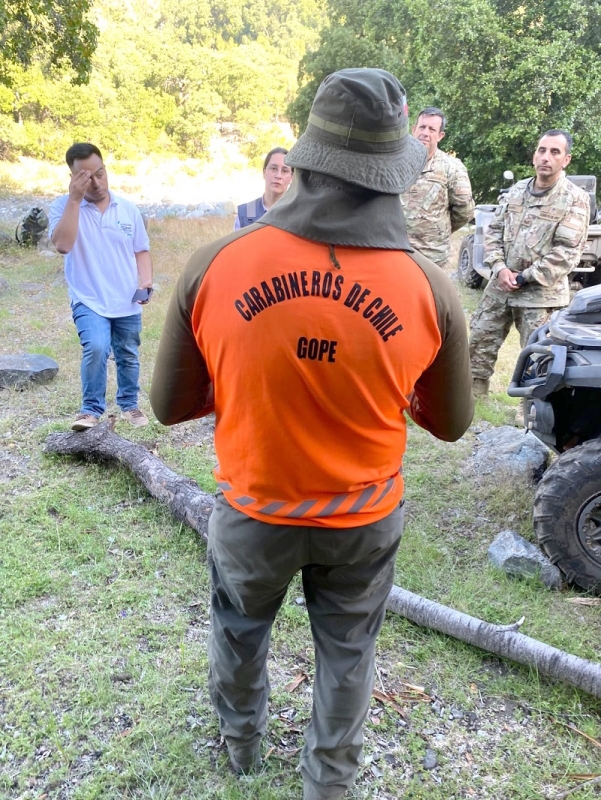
(107, 262)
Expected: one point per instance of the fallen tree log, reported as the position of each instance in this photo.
(502, 640)
(185, 499)
(188, 503)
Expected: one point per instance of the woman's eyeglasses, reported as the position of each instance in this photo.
(285, 171)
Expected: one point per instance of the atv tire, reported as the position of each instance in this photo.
(465, 264)
(567, 515)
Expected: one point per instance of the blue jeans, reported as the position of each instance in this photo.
(97, 336)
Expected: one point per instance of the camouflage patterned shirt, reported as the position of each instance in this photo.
(540, 235)
(438, 203)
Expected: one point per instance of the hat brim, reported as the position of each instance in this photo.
(389, 173)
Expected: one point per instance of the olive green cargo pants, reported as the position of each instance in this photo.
(489, 326)
(347, 575)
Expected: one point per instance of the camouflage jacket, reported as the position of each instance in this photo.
(438, 203)
(540, 236)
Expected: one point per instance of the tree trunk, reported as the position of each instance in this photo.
(191, 505)
(502, 640)
(186, 501)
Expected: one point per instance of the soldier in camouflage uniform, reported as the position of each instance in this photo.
(440, 201)
(535, 240)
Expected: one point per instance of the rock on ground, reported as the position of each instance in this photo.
(520, 558)
(13, 210)
(18, 371)
(510, 450)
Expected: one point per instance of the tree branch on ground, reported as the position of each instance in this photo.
(500, 640)
(188, 503)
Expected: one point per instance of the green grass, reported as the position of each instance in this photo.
(104, 608)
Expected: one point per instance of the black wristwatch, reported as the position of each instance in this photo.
(520, 280)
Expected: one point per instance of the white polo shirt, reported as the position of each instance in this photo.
(101, 270)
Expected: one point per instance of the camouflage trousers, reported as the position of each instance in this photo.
(490, 325)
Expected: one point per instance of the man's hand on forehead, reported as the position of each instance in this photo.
(79, 183)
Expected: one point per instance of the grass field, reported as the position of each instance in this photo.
(104, 608)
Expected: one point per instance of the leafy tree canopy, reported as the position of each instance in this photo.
(60, 31)
(165, 76)
(504, 71)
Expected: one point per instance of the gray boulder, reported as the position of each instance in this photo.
(511, 450)
(224, 207)
(520, 558)
(30, 287)
(196, 214)
(165, 212)
(19, 371)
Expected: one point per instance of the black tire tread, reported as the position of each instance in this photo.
(563, 489)
(470, 277)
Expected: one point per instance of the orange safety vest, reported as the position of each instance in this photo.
(312, 367)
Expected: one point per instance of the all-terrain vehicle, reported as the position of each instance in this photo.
(558, 375)
(472, 271)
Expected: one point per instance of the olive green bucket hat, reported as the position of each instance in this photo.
(358, 131)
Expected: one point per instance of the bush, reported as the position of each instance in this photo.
(263, 139)
(123, 168)
(12, 139)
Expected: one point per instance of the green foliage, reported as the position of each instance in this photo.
(59, 31)
(164, 77)
(504, 71)
(263, 138)
(12, 138)
(340, 48)
(530, 68)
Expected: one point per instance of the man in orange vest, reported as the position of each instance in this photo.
(311, 334)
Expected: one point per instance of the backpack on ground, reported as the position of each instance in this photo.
(31, 228)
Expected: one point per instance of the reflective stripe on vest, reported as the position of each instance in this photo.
(250, 212)
(365, 499)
